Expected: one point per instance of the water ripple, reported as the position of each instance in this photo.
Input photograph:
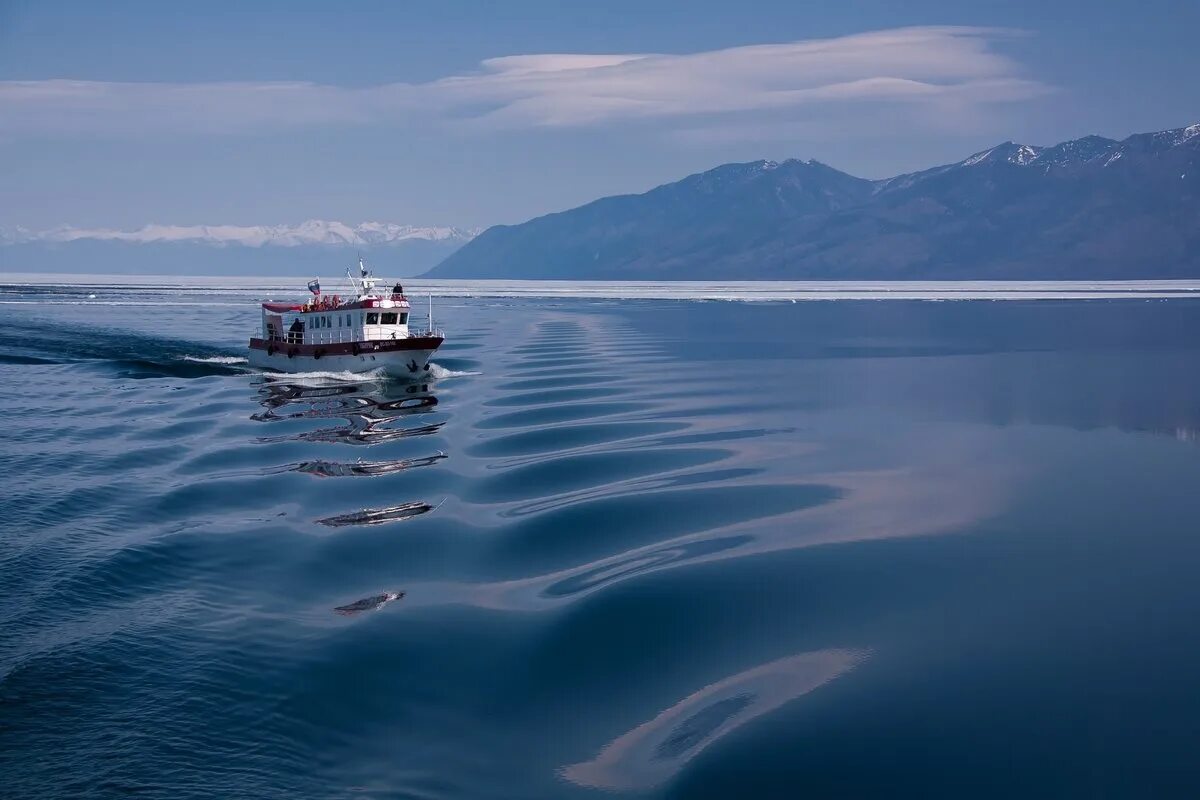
(639, 539)
(378, 516)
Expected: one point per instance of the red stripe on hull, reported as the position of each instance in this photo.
(348, 348)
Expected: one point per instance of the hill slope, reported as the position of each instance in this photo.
(1090, 208)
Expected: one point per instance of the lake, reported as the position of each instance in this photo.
(626, 542)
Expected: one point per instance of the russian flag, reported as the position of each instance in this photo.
(314, 286)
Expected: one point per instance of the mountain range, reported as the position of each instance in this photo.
(315, 246)
(1090, 208)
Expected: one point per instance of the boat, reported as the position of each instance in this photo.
(370, 332)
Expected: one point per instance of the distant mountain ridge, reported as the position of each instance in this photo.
(313, 231)
(312, 246)
(1088, 208)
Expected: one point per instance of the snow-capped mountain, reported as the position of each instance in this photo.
(1089, 208)
(313, 231)
(1083, 151)
(315, 246)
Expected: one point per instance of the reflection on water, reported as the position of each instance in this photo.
(654, 751)
(937, 494)
(372, 410)
(374, 399)
(377, 516)
(368, 469)
(629, 565)
(368, 603)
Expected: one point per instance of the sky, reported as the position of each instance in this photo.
(122, 114)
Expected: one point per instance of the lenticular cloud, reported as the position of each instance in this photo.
(924, 65)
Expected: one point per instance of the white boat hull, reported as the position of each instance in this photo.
(395, 363)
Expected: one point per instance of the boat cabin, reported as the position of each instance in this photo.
(331, 321)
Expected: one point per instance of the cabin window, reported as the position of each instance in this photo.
(387, 318)
(403, 317)
(373, 318)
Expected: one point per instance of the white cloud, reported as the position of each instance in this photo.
(929, 67)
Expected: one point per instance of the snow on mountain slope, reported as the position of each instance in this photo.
(311, 232)
(1081, 151)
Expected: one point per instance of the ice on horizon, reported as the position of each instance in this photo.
(282, 288)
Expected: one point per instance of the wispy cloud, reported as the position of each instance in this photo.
(929, 67)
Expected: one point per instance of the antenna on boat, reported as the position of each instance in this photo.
(368, 282)
(431, 312)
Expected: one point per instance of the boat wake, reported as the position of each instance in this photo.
(438, 372)
(133, 354)
(224, 360)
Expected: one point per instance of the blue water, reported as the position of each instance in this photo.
(635, 549)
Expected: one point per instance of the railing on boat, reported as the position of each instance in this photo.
(345, 336)
(342, 304)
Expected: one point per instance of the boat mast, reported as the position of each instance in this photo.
(368, 283)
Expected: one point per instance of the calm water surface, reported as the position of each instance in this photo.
(634, 549)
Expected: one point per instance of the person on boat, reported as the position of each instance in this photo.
(296, 332)
(397, 289)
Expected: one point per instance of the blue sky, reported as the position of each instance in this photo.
(475, 113)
